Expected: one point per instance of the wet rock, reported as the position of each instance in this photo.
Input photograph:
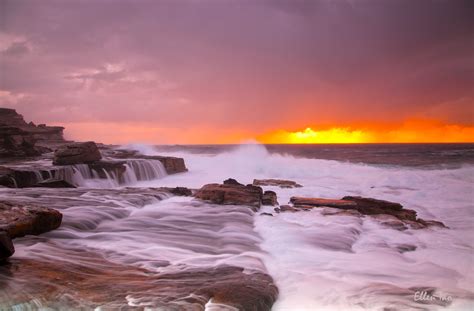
(388, 213)
(232, 194)
(18, 220)
(269, 198)
(179, 191)
(77, 153)
(84, 282)
(282, 183)
(54, 183)
(318, 202)
(6, 246)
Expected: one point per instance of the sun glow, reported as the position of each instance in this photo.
(310, 136)
(413, 131)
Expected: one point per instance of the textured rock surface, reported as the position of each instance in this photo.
(77, 153)
(18, 220)
(282, 183)
(84, 286)
(233, 194)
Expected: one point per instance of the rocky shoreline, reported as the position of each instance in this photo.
(42, 174)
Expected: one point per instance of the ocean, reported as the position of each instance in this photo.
(318, 261)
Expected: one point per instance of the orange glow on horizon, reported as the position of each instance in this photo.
(412, 131)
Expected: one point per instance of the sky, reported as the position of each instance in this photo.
(178, 72)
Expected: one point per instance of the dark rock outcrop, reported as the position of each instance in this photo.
(282, 183)
(232, 194)
(77, 153)
(269, 198)
(21, 139)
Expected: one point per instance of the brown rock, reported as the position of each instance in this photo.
(282, 183)
(77, 153)
(269, 198)
(231, 194)
(18, 220)
(317, 202)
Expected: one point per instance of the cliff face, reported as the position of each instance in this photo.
(21, 139)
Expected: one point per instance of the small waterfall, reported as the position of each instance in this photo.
(140, 169)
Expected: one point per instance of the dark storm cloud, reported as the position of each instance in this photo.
(242, 64)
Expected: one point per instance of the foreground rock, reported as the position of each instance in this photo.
(77, 153)
(388, 213)
(63, 284)
(17, 220)
(282, 183)
(232, 192)
(21, 139)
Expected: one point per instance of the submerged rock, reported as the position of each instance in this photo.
(232, 194)
(77, 153)
(18, 220)
(282, 183)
